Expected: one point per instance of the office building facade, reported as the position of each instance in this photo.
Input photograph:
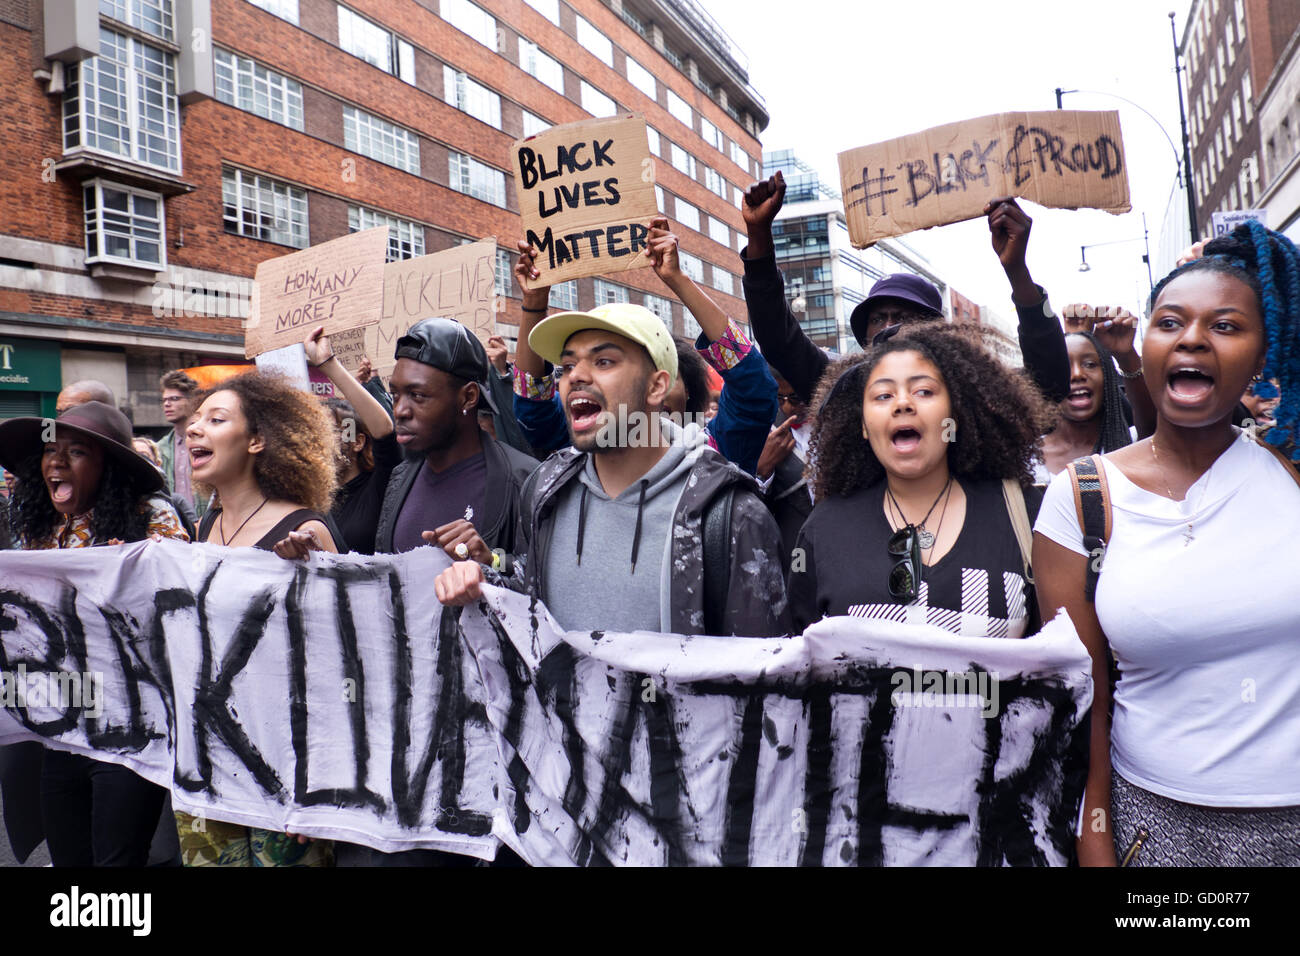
(161, 149)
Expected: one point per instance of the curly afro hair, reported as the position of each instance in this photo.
(121, 508)
(297, 464)
(1000, 416)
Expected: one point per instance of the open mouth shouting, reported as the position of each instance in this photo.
(584, 410)
(61, 490)
(200, 455)
(1079, 399)
(905, 439)
(1189, 385)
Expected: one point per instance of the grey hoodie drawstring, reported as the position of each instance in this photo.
(636, 535)
(582, 520)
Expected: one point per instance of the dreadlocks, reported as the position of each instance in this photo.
(1269, 263)
(1114, 431)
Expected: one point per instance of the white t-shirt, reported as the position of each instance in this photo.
(1206, 633)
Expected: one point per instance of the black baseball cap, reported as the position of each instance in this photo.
(447, 345)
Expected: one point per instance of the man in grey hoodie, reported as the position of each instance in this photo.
(612, 530)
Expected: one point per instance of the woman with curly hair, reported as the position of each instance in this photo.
(267, 449)
(1195, 755)
(913, 443)
(88, 487)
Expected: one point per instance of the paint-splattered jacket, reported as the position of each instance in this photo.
(756, 602)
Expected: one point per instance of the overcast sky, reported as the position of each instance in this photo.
(836, 76)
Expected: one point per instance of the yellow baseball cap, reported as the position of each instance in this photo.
(634, 322)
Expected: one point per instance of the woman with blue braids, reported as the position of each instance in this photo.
(1195, 756)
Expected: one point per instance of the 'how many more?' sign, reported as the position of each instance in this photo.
(586, 196)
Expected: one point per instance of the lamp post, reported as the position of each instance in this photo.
(1187, 147)
(1178, 164)
(1144, 238)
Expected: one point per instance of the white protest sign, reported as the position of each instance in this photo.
(1224, 222)
(334, 698)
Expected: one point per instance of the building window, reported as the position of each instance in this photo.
(719, 231)
(547, 8)
(284, 9)
(151, 16)
(467, 175)
(534, 124)
(540, 66)
(248, 85)
(595, 102)
(652, 136)
(739, 156)
(124, 102)
(405, 238)
(124, 225)
(1245, 96)
(687, 215)
(505, 286)
(471, 97)
(377, 45)
(738, 196)
(261, 208)
(642, 79)
(690, 326)
(661, 307)
(595, 42)
(683, 161)
(693, 266)
(659, 198)
(715, 183)
(710, 134)
(607, 293)
(672, 56)
(371, 136)
(564, 296)
(721, 280)
(681, 109)
(470, 19)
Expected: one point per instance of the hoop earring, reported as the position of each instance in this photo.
(464, 411)
(1259, 377)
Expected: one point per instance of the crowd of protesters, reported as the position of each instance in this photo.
(899, 482)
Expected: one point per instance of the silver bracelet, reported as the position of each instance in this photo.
(1129, 375)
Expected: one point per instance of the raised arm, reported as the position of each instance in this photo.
(662, 249)
(372, 414)
(777, 331)
(1042, 343)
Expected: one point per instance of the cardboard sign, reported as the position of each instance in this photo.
(458, 283)
(338, 284)
(586, 196)
(1066, 159)
(1224, 222)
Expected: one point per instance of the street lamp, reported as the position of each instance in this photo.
(1178, 163)
(1083, 251)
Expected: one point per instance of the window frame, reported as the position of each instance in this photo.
(97, 185)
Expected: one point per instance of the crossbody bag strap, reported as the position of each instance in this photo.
(1014, 496)
(1092, 504)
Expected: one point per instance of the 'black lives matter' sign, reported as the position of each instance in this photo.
(586, 196)
(1066, 159)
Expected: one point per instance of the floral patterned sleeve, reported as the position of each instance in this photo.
(163, 520)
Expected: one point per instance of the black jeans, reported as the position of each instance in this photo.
(97, 814)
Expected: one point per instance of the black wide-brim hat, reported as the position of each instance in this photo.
(22, 437)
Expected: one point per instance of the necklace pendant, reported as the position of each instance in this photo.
(926, 539)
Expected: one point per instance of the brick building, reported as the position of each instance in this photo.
(158, 150)
(1229, 50)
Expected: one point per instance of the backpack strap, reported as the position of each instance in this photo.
(717, 564)
(1014, 496)
(1092, 504)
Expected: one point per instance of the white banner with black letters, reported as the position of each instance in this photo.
(335, 698)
